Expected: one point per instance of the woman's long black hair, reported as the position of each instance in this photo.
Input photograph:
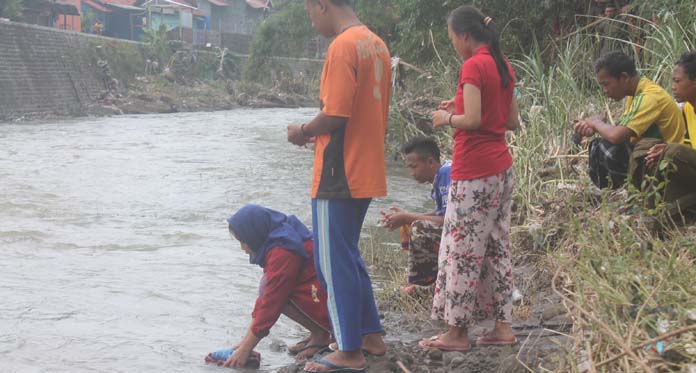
(469, 20)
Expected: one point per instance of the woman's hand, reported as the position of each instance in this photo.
(238, 359)
(440, 118)
(447, 105)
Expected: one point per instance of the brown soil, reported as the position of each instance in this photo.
(148, 95)
(540, 324)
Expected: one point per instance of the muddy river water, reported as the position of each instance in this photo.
(114, 253)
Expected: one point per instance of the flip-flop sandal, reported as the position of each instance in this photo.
(333, 347)
(333, 368)
(435, 342)
(302, 343)
(219, 357)
(320, 349)
(485, 341)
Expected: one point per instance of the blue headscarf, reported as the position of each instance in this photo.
(263, 229)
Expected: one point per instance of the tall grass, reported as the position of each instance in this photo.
(630, 292)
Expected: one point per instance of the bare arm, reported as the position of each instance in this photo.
(437, 219)
(471, 120)
(243, 350)
(400, 218)
(614, 134)
(321, 124)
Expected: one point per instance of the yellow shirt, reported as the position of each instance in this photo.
(652, 113)
(690, 116)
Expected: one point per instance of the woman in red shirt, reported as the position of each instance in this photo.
(475, 272)
(283, 247)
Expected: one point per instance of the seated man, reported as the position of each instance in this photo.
(682, 176)
(651, 115)
(422, 157)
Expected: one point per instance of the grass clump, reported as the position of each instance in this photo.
(628, 287)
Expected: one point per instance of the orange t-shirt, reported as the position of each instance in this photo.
(355, 84)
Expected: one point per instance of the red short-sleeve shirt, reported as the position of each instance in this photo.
(483, 152)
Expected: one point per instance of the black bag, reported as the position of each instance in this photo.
(608, 166)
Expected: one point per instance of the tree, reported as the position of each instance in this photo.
(11, 9)
(87, 20)
(285, 33)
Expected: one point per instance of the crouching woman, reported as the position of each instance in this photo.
(283, 247)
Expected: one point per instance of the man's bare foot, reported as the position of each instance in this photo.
(373, 344)
(346, 359)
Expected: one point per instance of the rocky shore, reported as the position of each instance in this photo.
(540, 322)
(149, 95)
(541, 344)
(157, 95)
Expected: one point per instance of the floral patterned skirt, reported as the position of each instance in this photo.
(474, 280)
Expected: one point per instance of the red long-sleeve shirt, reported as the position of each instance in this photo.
(289, 277)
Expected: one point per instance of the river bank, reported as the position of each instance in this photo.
(48, 74)
(543, 344)
(152, 94)
(540, 321)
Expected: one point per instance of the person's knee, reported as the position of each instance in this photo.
(417, 226)
(677, 152)
(671, 150)
(644, 145)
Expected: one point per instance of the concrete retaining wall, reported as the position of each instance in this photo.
(45, 71)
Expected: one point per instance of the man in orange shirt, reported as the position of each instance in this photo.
(349, 170)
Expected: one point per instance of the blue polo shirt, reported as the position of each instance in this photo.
(440, 190)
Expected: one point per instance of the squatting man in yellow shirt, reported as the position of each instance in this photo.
(650, 116)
